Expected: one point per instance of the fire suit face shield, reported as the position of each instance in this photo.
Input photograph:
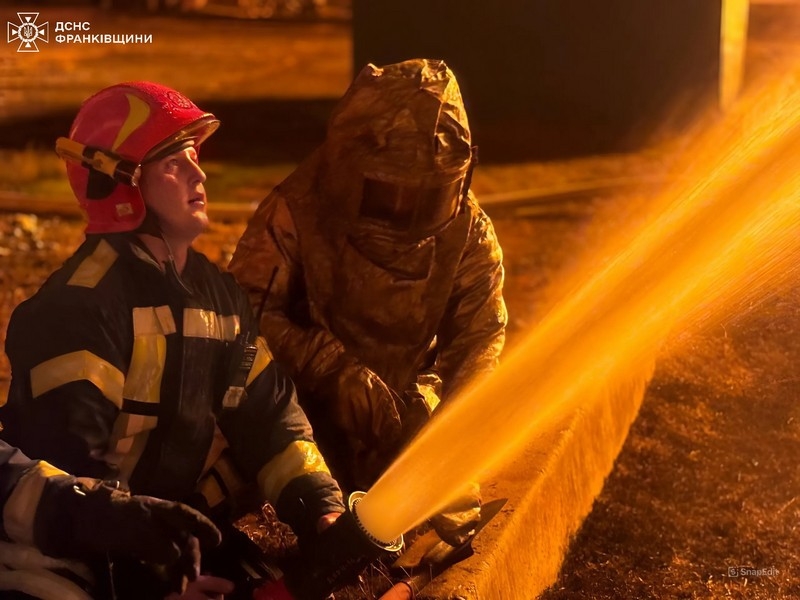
(414, 210)
(414, 207)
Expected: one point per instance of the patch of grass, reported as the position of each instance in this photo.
(700, 492)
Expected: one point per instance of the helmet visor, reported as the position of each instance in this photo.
(410, 209)
(197, 132)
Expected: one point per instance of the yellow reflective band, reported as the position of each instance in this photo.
(231, 485)
(19, 512)
(95, 266)
(76, 366)
(263, 358)
(297, 459)
(211, 490)
(149, 355)
(122, 437)
(129, 461)
(152, 320)
(218, 445)
(137, 115)
(207, 324)
(229, 474)
(165, 320)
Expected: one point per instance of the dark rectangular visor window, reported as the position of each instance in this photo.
(405, 207)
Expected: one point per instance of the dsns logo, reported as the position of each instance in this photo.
(27, 32)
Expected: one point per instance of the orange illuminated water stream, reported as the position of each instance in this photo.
(729, 230)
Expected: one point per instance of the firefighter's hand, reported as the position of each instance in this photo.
(420, 400)
(87, 517)
(364, 407)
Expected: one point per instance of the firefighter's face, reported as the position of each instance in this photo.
(173, 191)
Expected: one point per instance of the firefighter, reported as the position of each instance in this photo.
(379, 275)
(138, 360)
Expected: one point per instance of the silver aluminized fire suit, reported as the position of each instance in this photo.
(377, 276)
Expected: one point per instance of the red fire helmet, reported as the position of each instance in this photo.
(132, 122)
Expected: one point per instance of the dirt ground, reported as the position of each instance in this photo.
(703, 499)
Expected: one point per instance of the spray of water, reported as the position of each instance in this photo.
(723, 234)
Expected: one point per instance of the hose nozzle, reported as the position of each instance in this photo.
(337, 557)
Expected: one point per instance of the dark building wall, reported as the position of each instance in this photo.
(556, 77)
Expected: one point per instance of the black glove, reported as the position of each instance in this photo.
(363, 407)
(80, 518)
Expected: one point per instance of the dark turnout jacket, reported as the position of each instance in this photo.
(122, 371)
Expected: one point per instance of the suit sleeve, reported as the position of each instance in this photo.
(472, 332)
(66, 388)
(22, 487)
(13, 466)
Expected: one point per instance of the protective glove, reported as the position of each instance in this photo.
(420, 400)
(83, 517)
(456, 523)
(364, 407)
